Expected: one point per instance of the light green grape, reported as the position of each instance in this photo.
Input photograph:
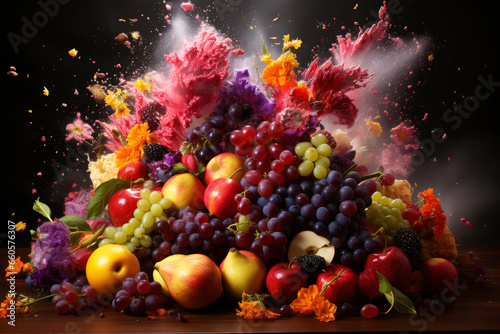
(320, 172)
(386, 213)
(165, 203)
(134, 222)
(109, 232)
(148, 219)
(106, 241)
(139, 232)
(146, 241)
(128, 228)
(322, 161)
(145, 193)
(301, 148)
(163, 216)
(138, 213)
(156, 209)
(324, 150)
(149, 184)
(318, 139)
(120, 237)
(143, 205)
(155, 197)
(129, 246)
(311, 154)
(306, 168)
(135, 241)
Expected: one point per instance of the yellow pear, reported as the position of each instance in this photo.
(242, 271)
(157, 277)
(194, 281)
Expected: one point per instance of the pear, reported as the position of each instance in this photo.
(242, 271)
(309, 243)
(157, 277)
(194, 281)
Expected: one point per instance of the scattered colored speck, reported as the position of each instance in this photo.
(45, 91)
(73, 52)
(187, 6)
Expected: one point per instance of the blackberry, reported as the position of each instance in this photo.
(409, 242)
(155, 152)
(311, 264)
(151, 113)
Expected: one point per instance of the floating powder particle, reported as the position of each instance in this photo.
(187, 6)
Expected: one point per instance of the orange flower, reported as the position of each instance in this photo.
(280, 72)
(5, 305)
(126, 154)
(253, 307)
(433, 218)
(18, 267)
(306, 298)
(324, 310)
(301, 95)
(138, 137)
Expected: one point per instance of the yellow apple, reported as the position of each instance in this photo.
(157, 277)
(109, 265)
(184, 190)
(224, 165)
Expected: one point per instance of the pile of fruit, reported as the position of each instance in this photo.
(226, 189)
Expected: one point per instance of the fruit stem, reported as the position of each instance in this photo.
(326, 285)
(44, 297)
(315, 250)
(236, 172)
(371, 176)
(382, 232)
(292, 261)
(92, 239)
(349, 169)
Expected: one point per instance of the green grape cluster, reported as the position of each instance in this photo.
(315, 156)
(136, 232)
(387, 213)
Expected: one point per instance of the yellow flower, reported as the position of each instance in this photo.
(116, 100)
(287, 44)
(142, 85)
(266, 59)
(375, 129)
(45, 91)
(20, 226)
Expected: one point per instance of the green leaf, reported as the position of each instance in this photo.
(76, 222)
(102, 195)
(42, 209)
(402, 303)
(390, 298)
(264, 50)
(180, 168)
(384, 286)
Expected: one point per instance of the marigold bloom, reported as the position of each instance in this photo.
(5, 305)
(253, 307)
(324, 310)
(127, 154)
(374, 128)
(20, 226)
(280, 72)
(311, 300)
(142, 85)
(116, 100)
(433, 218)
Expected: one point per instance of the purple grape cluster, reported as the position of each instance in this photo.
(189, 231)
(138, 295)
(76, 298)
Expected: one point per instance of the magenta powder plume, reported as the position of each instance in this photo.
(196, 77)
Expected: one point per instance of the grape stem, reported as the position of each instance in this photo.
(371, 176)
(326, 285)
(92, 239)
(354, 165)
(382, 232)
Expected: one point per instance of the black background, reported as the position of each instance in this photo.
(462, 37)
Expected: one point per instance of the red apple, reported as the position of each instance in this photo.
(133, 170)
(81, 257)
(122, 204)
(219, 197)
(284, 280)
(343, 289)
(184, 190)
(223, 166)
(394, 265)
(440, 276)
(368, 283)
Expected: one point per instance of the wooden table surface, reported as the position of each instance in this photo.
(476, 309)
